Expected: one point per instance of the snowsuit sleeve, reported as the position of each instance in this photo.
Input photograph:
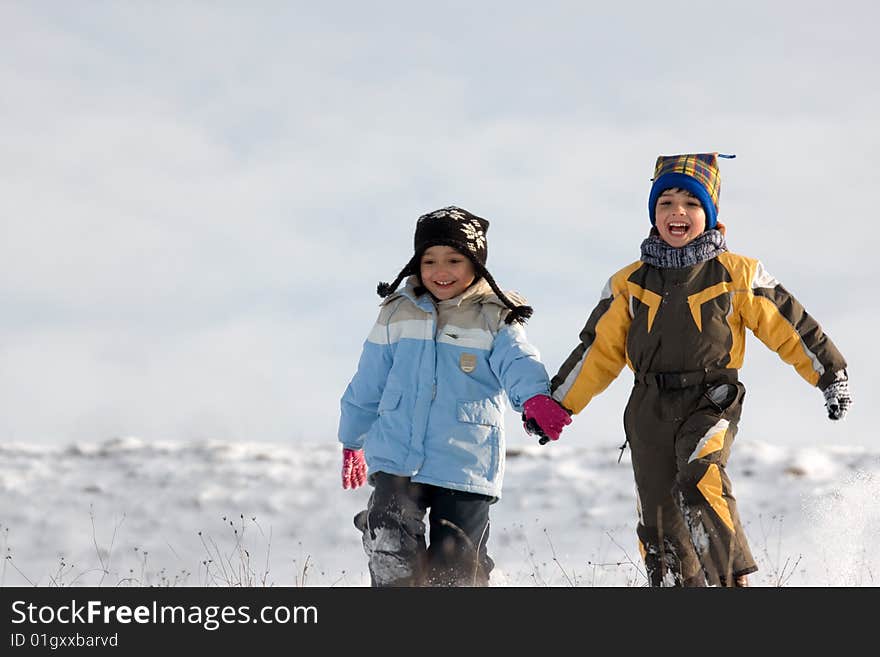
(779, 321)
(601, 354)
(360, 401)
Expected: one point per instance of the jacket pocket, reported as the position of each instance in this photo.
(390, 400)
(482, 423)
(479, 412)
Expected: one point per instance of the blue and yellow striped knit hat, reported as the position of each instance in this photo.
(695, 172)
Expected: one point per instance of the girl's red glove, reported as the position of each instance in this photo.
(548, 414)
(354, 468)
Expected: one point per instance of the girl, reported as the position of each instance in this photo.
(424, 412)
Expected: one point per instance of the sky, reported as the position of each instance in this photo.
(198, 199)
(135, 512)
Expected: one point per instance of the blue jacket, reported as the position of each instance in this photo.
(432, 385)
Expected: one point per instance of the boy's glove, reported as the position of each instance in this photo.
(545, 416)
(354, 468)
(837, 399)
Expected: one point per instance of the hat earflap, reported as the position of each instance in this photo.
(386, 289)
(518, 314)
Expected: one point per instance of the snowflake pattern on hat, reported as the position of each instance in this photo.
(475, 236)
(471, 230)
(450, 211)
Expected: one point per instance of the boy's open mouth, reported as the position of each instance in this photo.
(444, 283)
(679, 229)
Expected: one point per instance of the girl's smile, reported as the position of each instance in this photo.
(445, 272)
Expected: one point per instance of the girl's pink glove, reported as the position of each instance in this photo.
(548, 414)
(354, 468)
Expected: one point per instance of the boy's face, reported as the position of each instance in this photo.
(680, 217)
(445, 272)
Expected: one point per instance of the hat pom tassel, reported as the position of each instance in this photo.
(519, 314)
(384, 289)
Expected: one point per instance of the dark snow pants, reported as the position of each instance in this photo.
(689, 528)
(393, 530)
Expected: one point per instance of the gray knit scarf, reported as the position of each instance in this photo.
(658, 253)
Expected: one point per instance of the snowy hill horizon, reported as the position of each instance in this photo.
(132, 512)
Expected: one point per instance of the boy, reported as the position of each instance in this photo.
(677, 318)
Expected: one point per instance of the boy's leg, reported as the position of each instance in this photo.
(457, 554)
(394, 531)
(703, 488)
(664, 541)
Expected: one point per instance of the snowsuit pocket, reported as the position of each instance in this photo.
(723, 396)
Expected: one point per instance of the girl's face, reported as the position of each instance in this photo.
(680, 217)
(445, 272)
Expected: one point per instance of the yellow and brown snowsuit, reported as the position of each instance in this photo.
(682, 332)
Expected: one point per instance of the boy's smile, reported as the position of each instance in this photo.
(680, 217)
(445, 272)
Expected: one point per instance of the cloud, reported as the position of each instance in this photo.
(198, 201)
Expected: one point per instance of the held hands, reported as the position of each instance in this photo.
(544, 416)
(354, 468)
(837, 399)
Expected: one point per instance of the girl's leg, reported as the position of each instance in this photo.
(394, 531)
(457, 554)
